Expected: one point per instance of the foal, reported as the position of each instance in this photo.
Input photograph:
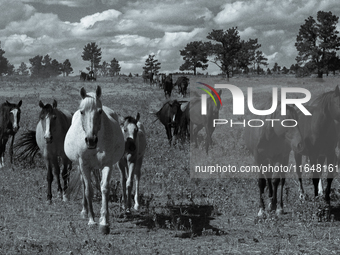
(130, 164)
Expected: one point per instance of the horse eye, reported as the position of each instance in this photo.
(81, 112)
(54, 117)
(100, 111)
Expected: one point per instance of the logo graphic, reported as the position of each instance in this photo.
(204, 97)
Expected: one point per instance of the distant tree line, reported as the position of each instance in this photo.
(317, 44)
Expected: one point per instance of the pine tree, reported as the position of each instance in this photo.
(92, 53)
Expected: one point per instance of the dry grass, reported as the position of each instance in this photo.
(30, 226)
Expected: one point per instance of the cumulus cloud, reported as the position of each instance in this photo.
(109, 15)
(14, 11)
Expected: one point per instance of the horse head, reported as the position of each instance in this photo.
(14, 116)
(47, 118)
(91, 111)
(130, 131)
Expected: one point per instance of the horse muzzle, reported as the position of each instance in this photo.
(15, 129)
(130, 146)
(91, 142)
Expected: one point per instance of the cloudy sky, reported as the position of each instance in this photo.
(130, 30)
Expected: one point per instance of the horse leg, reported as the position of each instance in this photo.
(298, 163)
(122, 168)
(195, 133)
(88, 191)
(168, 133)
(321, 161)
(67, 166)
(104, 225)
(56, 169)
(262, 185)
(137, 178)
(331, 162)
(84, 212)
(3, 149)
(2, 152)
(129, 183)
(48, 164)
(316, 176)
(11, 149)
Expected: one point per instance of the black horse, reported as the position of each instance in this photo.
(170, 116)
(9, 126)
(168, 86)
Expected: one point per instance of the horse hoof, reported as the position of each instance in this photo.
(65, 198)
(104, 229)
(271, 207)
(128, 211)
(260, 213)
(83, 215)
(136, 207)
(279, 211)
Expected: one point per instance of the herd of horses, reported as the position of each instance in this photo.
(166, 83)
(96, 137)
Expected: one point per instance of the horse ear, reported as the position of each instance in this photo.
(41, 104)
(220, 92)
(55, 103)
(82, 93)
(98, 91)
(20, 103)
(337, 91)
(8, 103)
(138, 116)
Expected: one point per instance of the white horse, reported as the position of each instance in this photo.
(95, 141)
(130, 165)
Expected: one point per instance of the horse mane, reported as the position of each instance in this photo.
(130, 119)
(89, 102)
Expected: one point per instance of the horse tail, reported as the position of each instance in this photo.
(74, 185)
(26, 147)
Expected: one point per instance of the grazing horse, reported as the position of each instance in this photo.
(270, 145)
(168, 86)
(182, 83)
(84, 76)
(9, 126)
(170, 115)
(320, 134)
(49, 138)
(206, 121)
(130, 164)
(94, 141)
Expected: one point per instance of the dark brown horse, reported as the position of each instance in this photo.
(9, 126)
(320, 135)
(206, 121)
(270, 145)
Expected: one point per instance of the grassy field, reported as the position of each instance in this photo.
(28, 225)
